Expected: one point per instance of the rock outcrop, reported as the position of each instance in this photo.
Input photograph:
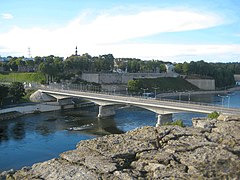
(211, 151)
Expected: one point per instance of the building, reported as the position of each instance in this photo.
(237, 79)
(3, 59)
(26, 69)
(169, 68)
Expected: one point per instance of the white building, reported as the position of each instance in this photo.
(169, 68)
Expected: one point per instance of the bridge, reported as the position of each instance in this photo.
(164, 108)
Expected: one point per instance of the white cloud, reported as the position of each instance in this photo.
(109, 29)
(7, 16)
(106, 34)
(181, 52)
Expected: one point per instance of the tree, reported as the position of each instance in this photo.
(38, 60)
(13, 64)
(185, 68)
(162, 68)
(17, 90)
(133, 86)
(3, 93)
(179, 68)
(30, 63)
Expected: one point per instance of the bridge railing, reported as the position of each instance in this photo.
(81, 88)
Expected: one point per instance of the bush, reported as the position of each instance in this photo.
(213, 115)
(175, 123)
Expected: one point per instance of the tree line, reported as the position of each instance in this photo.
(223, 73)
(56, 68)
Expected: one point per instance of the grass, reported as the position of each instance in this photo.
(22, 77)
(165, 84)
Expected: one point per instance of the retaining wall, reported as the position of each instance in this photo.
(204, 84)
(121, 78)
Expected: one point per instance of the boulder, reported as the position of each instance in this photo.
(223, 117)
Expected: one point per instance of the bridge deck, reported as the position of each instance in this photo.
(174, 106)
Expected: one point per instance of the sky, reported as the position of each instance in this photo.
(168, 30)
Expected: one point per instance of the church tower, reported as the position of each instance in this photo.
(76, 52)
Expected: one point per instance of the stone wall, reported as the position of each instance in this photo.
(204, 84)
(237, 77)
(121, 78)
(93, 77)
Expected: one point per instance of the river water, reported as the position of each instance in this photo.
(39, 137)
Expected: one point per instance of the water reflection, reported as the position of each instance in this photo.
(49, 123)
(3, 132)
(17, 132)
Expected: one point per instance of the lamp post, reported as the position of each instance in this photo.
(189, 97)
(222, 98)
(144, 91)
(228, 100)
(155, 90)
(179, 96)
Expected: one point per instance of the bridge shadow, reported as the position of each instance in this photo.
(85, 120)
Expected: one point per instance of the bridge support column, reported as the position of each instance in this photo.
(163, 118)
(105, 111)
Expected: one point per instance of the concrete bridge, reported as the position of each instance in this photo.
(108, 104)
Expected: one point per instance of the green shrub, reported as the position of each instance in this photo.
(213, 115)
(175, 123)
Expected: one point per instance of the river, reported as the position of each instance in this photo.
(39, 137)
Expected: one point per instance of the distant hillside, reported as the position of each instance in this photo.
(22, 77)
(160, 84)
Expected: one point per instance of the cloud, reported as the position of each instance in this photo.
(107, 33)
(7, 16)
(109, 29)
(174, 52)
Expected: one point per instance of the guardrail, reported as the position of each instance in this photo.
(175, 104)
(79, 88)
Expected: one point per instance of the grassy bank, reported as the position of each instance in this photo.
(22, 77)
(167, 84)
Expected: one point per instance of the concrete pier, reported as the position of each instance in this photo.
(163, 118)
(105, 111)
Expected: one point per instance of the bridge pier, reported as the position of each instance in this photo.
(163, 118)
(105, 111)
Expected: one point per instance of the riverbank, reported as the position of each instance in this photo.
(10, 115)
(162, 95)
(14, 112)
(17, 111)
(167, 152)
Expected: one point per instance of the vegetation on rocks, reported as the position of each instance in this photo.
(175, 123)
(213, 115)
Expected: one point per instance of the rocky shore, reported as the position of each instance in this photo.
(10, 115)
(210, 150)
